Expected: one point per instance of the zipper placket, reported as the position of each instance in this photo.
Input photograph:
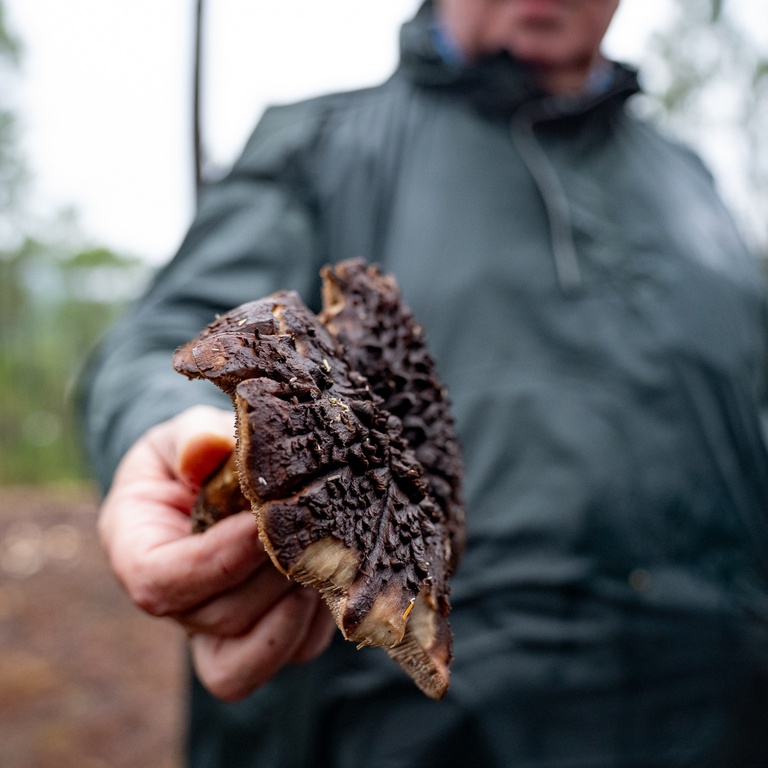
(553, 195)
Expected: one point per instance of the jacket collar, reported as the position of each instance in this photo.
(498, 84)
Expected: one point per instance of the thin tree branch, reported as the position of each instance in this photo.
(196, 99)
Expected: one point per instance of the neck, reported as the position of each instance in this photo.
(570, 80)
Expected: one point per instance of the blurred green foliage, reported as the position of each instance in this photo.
(54, 307)
(58, 294)
(709, 67)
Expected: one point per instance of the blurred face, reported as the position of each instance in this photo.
(560, 39)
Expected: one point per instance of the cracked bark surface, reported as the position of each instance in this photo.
(346, 454)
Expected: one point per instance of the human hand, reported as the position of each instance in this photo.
(245, 619)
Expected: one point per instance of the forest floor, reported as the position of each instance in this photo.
(86, 679)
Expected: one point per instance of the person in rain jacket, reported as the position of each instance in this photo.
(601, 330)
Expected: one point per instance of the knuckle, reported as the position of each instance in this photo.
(146, 598)
(227, 689)
(229, 562)
(232, 623)
(223, 681)
(226, 566)
(224, 621)
(145, 592)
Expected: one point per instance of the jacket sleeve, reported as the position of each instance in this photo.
(763, 374)
(255, 232)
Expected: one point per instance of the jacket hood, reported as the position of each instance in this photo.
(501, 86)
(497, 84)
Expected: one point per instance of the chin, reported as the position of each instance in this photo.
(548, 51)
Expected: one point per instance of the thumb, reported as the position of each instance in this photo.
(205, 437)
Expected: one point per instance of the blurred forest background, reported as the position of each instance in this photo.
(86, 680)
(59, 290)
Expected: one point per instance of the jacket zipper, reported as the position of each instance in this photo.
(553, 195)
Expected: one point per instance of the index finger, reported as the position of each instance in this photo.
(145, 528)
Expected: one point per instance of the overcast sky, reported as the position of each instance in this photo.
(104, 97)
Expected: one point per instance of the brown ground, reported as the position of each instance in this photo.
(86, 680)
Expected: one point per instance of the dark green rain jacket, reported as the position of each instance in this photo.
(602, 332)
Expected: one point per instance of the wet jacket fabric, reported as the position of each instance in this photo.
(602, 333)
